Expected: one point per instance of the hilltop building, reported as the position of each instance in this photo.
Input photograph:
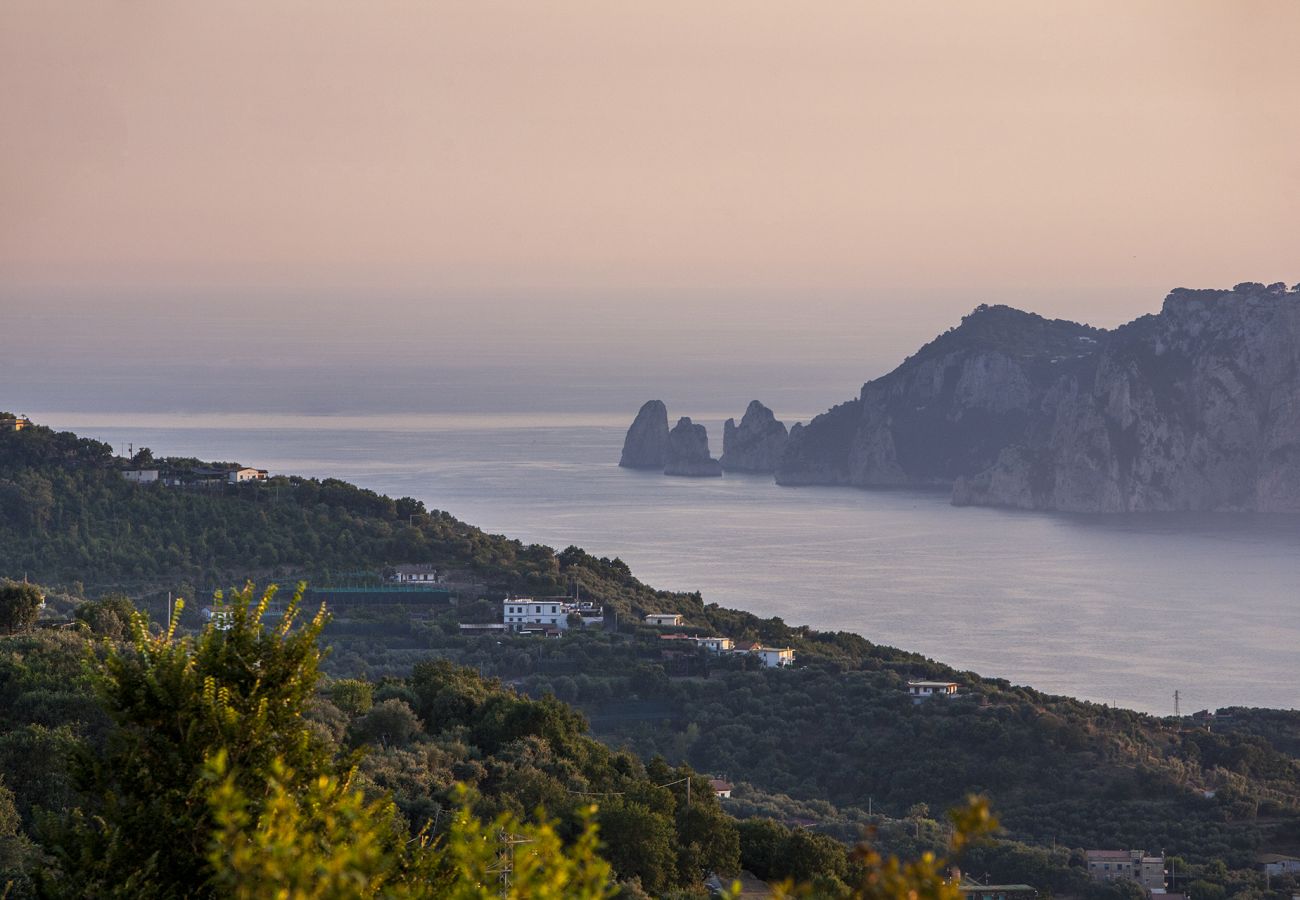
(664, 620)
(415, 573)
(924, 690)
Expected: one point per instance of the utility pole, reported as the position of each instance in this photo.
(1177, 713)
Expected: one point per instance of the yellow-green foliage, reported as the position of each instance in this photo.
(328, 843)
(889, 878)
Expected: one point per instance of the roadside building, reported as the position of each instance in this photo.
(664, 620)
(1275, 864)
(923, 690)
(972, 890)
(140, 476)
(415, 573)
(477, 628)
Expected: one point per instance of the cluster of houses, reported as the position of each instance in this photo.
(552, 616)
(200, 476)
(772, 657)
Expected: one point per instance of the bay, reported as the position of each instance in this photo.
(1121, 610)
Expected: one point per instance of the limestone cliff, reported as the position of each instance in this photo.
(1194, 408)
(646, 443)
(688, 451)
(756, 444)
(947, 411)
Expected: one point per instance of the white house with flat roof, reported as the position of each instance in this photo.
(520, 611)
(670, 620)
(140, 476)
(415, 573)
(924, 690)
(775, 657)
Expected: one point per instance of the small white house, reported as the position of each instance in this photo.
(244, 473)
(716, 644)
(775, 657)
(670, 620)
(140, 476)
(924, 690)
(722, 789)
(416, 573)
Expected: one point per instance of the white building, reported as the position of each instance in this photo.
(716, 644)
(924, 690)
(517, 612)
(775, 657)
(415, 573)
(140, 476)
(671, 620)
(244, 473)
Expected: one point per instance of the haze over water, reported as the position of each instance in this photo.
(512, 223)
(1115, 610)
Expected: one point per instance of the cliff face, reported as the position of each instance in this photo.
(945, 412)
(688, 451)
(756, 444)
(646, 443)
(1195, 408)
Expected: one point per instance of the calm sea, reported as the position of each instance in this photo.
(1116, 610)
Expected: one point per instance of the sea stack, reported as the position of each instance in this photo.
(756, 444)
(646, 444)
(688, 451)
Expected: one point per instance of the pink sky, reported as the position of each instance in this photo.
(858, 174)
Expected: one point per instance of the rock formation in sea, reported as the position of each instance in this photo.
(756, 444)
(1194, 408)
(688, 451)
(646, 443)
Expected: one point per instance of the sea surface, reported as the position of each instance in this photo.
(1119, 610)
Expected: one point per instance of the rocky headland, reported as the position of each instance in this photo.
(646, 444)
(1194, 408)
(688, 451)
(756, 444)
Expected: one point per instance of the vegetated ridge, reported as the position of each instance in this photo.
(826, 738)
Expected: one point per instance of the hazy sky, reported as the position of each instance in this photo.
(625, 183)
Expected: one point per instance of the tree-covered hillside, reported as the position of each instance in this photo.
(832, 745)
